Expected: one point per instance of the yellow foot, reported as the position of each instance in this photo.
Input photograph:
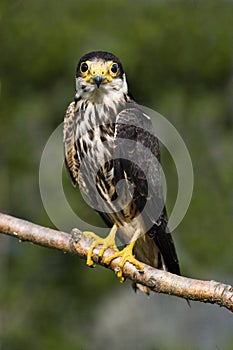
(127, 255)
(108, 242)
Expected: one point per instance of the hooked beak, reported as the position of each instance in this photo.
(98, 80)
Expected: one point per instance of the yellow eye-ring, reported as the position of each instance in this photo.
(83, 67)
(114, 68)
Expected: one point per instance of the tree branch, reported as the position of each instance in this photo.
(157, 280)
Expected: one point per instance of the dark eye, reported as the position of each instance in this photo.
(84, 67)
(114, 68)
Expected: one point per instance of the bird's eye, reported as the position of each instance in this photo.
(114, 68)
(84, 67)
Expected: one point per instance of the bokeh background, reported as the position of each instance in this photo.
(178, 58)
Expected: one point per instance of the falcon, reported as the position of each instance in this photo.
(112, 154)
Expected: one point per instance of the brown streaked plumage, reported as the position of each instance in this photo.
(108, 138)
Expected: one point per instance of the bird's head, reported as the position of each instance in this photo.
(98, 74)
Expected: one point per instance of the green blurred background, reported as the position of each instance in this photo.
(178, 59)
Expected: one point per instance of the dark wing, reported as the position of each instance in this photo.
(139, 162)
(71, 155)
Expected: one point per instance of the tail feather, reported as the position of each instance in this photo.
(166, 246)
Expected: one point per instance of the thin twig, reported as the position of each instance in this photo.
(157, 280)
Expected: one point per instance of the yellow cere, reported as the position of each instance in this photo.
(91, 69)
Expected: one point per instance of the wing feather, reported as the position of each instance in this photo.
(140, 162)
(72, 160)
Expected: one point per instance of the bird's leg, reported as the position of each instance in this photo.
(127, 255)
(108, 242)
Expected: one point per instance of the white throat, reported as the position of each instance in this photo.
(108, 93)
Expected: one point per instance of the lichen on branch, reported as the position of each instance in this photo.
(157, 280)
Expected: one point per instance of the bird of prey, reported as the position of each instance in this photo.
(112, 154)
